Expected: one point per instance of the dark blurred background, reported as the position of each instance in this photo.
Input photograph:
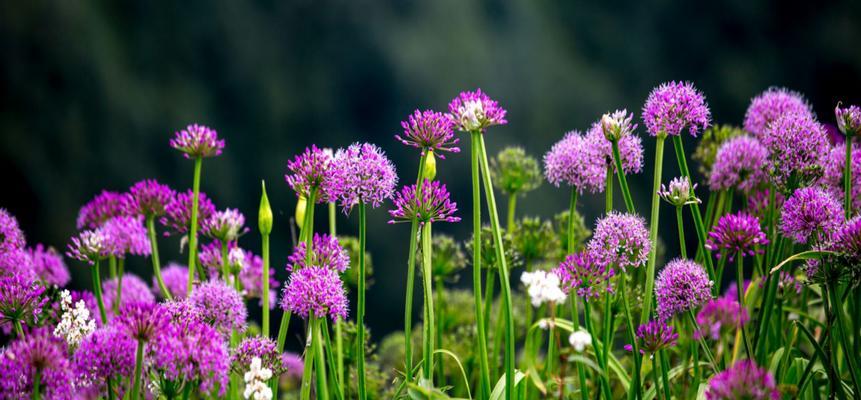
(91, 92)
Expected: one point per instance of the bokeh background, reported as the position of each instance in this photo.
(91, 91)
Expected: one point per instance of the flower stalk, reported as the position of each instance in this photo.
(192, 230)
(484, 370)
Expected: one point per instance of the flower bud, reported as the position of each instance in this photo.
(264, 214)
(430, 167)
(300, 211)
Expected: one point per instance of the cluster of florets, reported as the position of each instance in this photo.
(622, 240)
(360, 173)
(572, 161)
(429, 131)
(543, 287)
(771, 104)
(430, 204)
(744, 380)
(654, 336)
(740, 164)
(585, 275)
(797, 146)
(720, 316)
(308, 172)
(475, 111)
(316, 290)
(326, 252)
(811, 213)
(177, 218)
(197, 141)
(673, 107)
(681, 286)
(679, 192)
(738, 233)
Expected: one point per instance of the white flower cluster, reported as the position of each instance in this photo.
(75, 323)
(255, 381)
(472, 115)
(543, 287)
(579, 340)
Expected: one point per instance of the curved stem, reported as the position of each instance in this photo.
(653, 229)
(136, 385)
(623, 181)
(429, 324)
(360, 308)
(156, 263)
(192, 230)
(97, 291)
(632, 337)
(484, 375)
(512, 208)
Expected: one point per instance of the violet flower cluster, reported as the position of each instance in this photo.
(740, 164)
(475, 111)
(738, 233)
(197, 141)
(811, 213)
(720, 316)
(622, 240)
(309, 171)
(430, 130)
(771, 104)
(361, 173)
(326, 252)
(585, 275)
(654, 336)
(744, 380)
(673, 107)
(434, 205)
(681, 286)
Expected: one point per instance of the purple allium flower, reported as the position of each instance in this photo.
(197, 141)
(361, 173)
(38, 354)
(148, 198)
(315, 289)
(674, 106)
(105, 353)
(654, 336)
(177, 218)
(769, 105)
(20, 299)
(811, 211)
(630, 149)
(797, 146)
(251, 277)
(471, 111)
(586, 275)
(681, 286)
(787, 285)
(126, 235)
(621, 239)
(434, 205)
(847, 240)
(142, 321)
(220, 306)
(720, 316)
(757, 202)
(209, 256)
(17, 262)
(11, 236)
(732, 289)
(49, 266)
(744, 380)
(135, 290)
(577, 162)
(679, 192)
(309, 171)
(848, 119)
(175, 279)
(225, 226)
(740, 164)
(617, 125)
(327, 253)
(182, 312)
(737, 233)
(101, 208)
(429, 130)
(256, 346)
(191, 352)
(294, 365)
(88, 246)
(832, 177)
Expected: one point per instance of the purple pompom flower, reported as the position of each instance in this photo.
(681, 286)
(429, 130)
(848, 119)
(586, 275)
(630, 148)
(847, 240)
(38, 355)
(197, 141)
(315, 289)
(361, 173)
(740, 164)
(209, 257)
(327, 253)
(175, 279)
(811, 212)
(309, 171)
(225, 226)
(737, 233)
(679, 192)
(101, 208)
(251, 277)
(220, 306)
(832, 177)
(11, 236)
(177, 218)
(148, 198)
(263, 348)
(654, 336)
(474, 111)
(126, 235)
(89, 246)
(143, 321)
(674, 106)
(107, 353)
(294, 364)
(797, 146)
(191, 352)
(621, 239)
(744, 380)
(49, 267)
(21, 300)
(577, 162)
(434, 205)
(135, 290)
(720, 316)
(771, 104)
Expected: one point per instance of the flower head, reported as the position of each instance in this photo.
(744, 380)
(681, 286)
(654, 336)
(49, 267)
(429, 130)
(21, 299)
(192, 352)
(39, 355)
(256, 379)
(308, 172)
(679, 192)
(148, 198)
(811, 212)
(294, 364)
(17, 262)
(769, 105)
(433, 206)
(577, 162)
(251, 277)
(621, 239)
(832, 177)
(135, 290)
(710, 142)
(361, 173)
(220, 306)
(175, 279)
(11, 236)
(88, 246)
(326, 253)
(737, 233)
(674, 106)
(848, 119)
(474, 111)
(225, 226)
(315, 290)
(75, 323)
(847, 240)
(126, 235)
(543, 287)
(740, 163)
(197, 141)
(617, 125)
(586, 275)
(579, 340)
(177, 218)
(142, 321)
(720, 316)
(101, 208)
(757, 202)
(105, 354)
(630, 149)
(258, 347)
(797, 147)
(514, 172)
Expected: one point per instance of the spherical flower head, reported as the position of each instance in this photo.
(326, 252)
(832, 177)
(101, 208)
(681, 286)
(769, 105)
(308, 172)
(434, 205)
(259, 347)
(38, 354)
(654, 336)
(126, 235)
(197, 141)
(630, 149)
(577, 162)
(811, 213)
(848, 119)
(49, 267)
(175, 279)
(220, 306)
(294, 364)
(361, 173)
(17, 262)
(177, 218)
(744, 380)
(617, 125)
(740, 164)
(21, 299)
(107, 353)
(429, 130)
(89, 246)
(448, 257)
(738, 233)
(797, 146)
(543, 287)
(209, 257)
(674, 106)
(148, 198)
(225, 226)
(135, 290)
(621, 239)
(679, 192)
(720, 316)
(757, 202)
(251, 277)
(142, 321)
(847, 240)
(514, 172)
(580, 340)
(315, 290)
(193, 352)
(586, 275)
(11, 236)
(474, 111)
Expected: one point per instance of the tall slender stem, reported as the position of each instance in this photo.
(632, 337)
(225, 264)
(411, 278)
(653, 228)
(97, 291)
(623, 181)
(37, 382)
(156, 263)
(587, 317)
(308, 370)
(136, 385)
(739, 279)
(264, 241)
(695, 208)
(319, 360)
(837, 309)
(192, 230)
(847, 180)
(339, 340)
(484, 375)
(118, 296)
(575, 318)
(360, 308)
(680, 223)
(512, 208)
(703, 344)
(662, 364)
(430, 325)
(765, 311)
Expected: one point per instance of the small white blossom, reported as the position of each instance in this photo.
(471, 115)
(543, 287)
(580, 340)
(75, 324)
(255, 381)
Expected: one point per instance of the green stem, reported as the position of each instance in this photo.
(411, 280)
(484, 372)
(37, 382)
(19, 330)
(765, 311)
(662, 365)
(118, 297)
(587, 317)
(837, 309)
(192, 230)
(264, 240)
(847, 180)
(282, 337)
(703, 344)
(632, 337)
(97, 291)
(575, 318)
(439, 291)
(608, 190)
(512, 208)
(156, 263)
(739, 279)
(680, 223)
(653, 229)
(136, 386)
(339, 341)
(623, 181)
(427, 280)
(225, 265)
(360, 308)
(308, 370)
(319, 360)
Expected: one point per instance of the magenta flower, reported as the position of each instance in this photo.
(148, 198)
(89, 246)
(681, 286)
(630, 147)
(315, 289)
(251, 277)
(101, 208)
(769, 105)
(474, 111)
(197, 141)
(294, 365)
(175, 280)
(225, 226)
(740, 164)
(361, 173)
(621, 239)
(847, 239)
(720, 316)
(848, 119)
(191, 352)
(679, 192)
(17, 262)
(125, 235)
(326, 253)
(135, 290)
(48, 265)
(255, 346)
(577, 162)
(811, 212)
(797, 145)
(434, 205)
(309, 171)
(832, 177)
(429, 130)
(674, 106)
(757, 202)
(654, 336)
(220, 306)
(21, 300)
(744, 380)
(107, 353)
(737, 233)
(586, 275)
(11, 236)
(209, 257)
(177, 218)
(39, 354)
(142, 321)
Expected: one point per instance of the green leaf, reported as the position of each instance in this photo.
(536, 380)
(499, 389)
(804, 255)
(615, 366)
(459, 365)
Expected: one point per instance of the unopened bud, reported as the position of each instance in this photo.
(430, 167)
(300, 211)
(264, 214)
